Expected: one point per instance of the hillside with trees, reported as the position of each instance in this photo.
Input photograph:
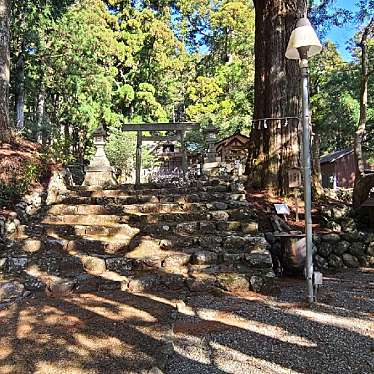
(186, 186)
(74, 64)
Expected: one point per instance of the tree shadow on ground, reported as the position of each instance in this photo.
(114, 331)
(120, 332)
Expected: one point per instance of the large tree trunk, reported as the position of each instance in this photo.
(362, 189)
(273, 150)
(20, 91)
(40, 108)
(4, 69)
(316, 167)
(360, 163)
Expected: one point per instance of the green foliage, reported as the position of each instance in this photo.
(114, 62)
(118, 61)
(224, 89)
(335, 93)
(335, 103)
(120, 149)
(10, 192)
(335, 84)
(324, 14)
(149, 160)
(18, 184)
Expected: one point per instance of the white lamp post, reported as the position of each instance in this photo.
(303, 44)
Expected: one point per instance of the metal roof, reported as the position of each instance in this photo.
(334, 156)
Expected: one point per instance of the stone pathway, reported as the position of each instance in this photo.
(194, 333)
(201, 236)
(161, 280)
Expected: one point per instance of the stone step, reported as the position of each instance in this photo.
(142, 239)
(206, 234)
(70, 231)
(220, 237)
(214, 247)
(82, 209)
(61, 257)
(92, 278)
(214, 182)
(227, 267)
(144, 199)
(94, 220)
(91, 273)
(83, 245)
(84, 192)
(243, 215)
(201, 228)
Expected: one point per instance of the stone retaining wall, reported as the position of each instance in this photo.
(23, 211)
(344, 250)
(334, 251)
(31, 205)
(346, 246)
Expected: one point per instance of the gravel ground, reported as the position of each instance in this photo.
(117, 332)
(256, 334)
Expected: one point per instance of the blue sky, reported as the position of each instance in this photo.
(341, 35)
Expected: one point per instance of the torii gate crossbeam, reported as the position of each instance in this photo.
(179, 127)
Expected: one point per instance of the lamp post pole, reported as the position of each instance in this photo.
(303, 51)
(304, 43)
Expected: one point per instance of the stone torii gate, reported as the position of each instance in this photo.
(179, 128)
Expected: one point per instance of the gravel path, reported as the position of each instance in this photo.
(255, 334)
(117, 332)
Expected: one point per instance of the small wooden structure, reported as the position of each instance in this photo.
(294, 178)
(178, 131)
(338, 169)
(295, 183)
(233, 147)
(168, 154)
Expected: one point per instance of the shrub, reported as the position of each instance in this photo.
(121, 149)
(17, 184)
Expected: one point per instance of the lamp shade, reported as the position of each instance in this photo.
(303, 36)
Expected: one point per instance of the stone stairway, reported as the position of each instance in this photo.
(193, 238)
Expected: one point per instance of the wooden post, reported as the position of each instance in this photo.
(297, 204)
(184, 154)
(138, 163)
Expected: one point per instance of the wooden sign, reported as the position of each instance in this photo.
(294, 178)
(317, 278)
(282, 209)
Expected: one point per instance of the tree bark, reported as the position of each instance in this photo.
(360, 133)
(4, 70)
(273, 150)
(362, 190)
(40, 132)
(316, 167)
(67, 142)
(20, 91)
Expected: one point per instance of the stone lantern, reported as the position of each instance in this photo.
(211, 164)
(100, 173)
(210, 133)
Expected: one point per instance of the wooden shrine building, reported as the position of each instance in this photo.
(234, 147)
